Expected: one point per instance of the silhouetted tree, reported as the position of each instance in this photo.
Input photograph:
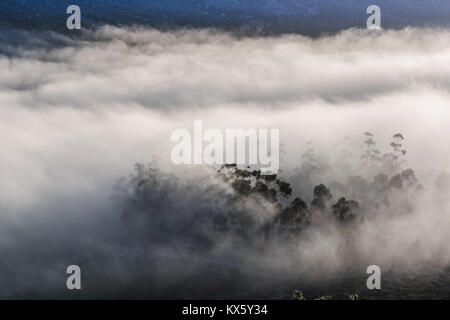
(321, 195)
(345, 210)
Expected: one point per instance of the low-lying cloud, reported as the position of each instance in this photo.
(77, 114)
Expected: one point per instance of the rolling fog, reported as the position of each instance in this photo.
(78, 114)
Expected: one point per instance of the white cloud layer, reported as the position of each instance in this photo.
(76, 116)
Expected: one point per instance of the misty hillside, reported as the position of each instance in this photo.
(363, 179)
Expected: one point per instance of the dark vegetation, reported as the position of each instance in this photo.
(228, 219)
(244, 202)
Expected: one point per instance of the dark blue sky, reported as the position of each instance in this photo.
(271, 16)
